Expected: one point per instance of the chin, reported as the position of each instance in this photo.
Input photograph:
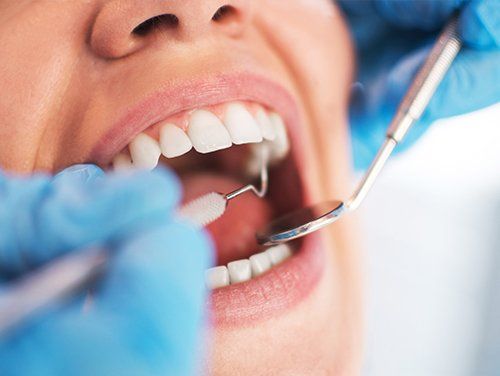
(315, 334)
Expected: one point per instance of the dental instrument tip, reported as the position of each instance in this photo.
(211, 206)
(205, 209)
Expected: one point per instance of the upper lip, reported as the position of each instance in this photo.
(190, 95)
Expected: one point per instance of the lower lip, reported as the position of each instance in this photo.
(273, 293)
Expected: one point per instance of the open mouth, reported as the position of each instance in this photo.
(215, 148)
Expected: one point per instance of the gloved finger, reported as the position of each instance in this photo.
(42, 218)
(84, 172)
(73, 343)
(146, 318)
(163, 273)
(467, 87)
(78, 173)
(428, 15)
(479, 24)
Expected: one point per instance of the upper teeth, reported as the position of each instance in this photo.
(207, 133)
(242, 127)
(145, 151)
(182, 144)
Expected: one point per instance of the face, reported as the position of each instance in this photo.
(118, 82)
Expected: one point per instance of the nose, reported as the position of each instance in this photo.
(124, 27)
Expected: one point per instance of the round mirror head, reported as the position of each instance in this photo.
(301, 222)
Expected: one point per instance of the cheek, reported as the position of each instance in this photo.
(313, 40)
(35, 70)
(314, 22)
(314, 43)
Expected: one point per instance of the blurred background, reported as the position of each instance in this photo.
(432, 254)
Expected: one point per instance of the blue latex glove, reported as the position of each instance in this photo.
(147, 311)
(393, 38)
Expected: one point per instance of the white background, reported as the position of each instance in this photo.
(432, 254)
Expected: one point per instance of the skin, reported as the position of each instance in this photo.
(64, 83)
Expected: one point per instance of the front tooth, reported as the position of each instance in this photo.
(145, 152)
(239, 271)
(207, 133)
(174, 142)
(122, 162)
(260, 263)
(217, 277)
(281, 145)
(279, 253)
(241, 125)
(266, 125)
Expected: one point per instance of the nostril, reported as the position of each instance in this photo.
(164, 20)
(224, 13)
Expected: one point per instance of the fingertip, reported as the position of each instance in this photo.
(83, 173)
(160, 181)
(140, 192)
(171, 254)
(428, 15)
(157, 280)
(479, 25)
(169, 181)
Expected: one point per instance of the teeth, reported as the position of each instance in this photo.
(241, 125)
(207, 133)
(266, 125)
(246, 269)
(279, 254)
(174, 142)
(122, 162)
(217, 277)
(281, 145)
(239, 271)
(278, 148)
(145, 152)
(260, 263)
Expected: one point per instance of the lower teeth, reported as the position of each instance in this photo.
(246, 269)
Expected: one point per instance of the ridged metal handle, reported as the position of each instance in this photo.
(413, 105)
(50, 284)
(427, 81)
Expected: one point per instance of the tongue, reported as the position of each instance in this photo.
(234, 232)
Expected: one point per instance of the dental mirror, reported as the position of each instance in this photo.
(301, 222)
(307, 220)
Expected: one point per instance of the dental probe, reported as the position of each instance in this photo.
(41, 288)
(75, 272)
(206, 209)
(307, 220)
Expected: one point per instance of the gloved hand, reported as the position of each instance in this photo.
(146, 312)
(393, 38)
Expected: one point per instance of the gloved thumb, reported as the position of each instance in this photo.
(43, 217)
